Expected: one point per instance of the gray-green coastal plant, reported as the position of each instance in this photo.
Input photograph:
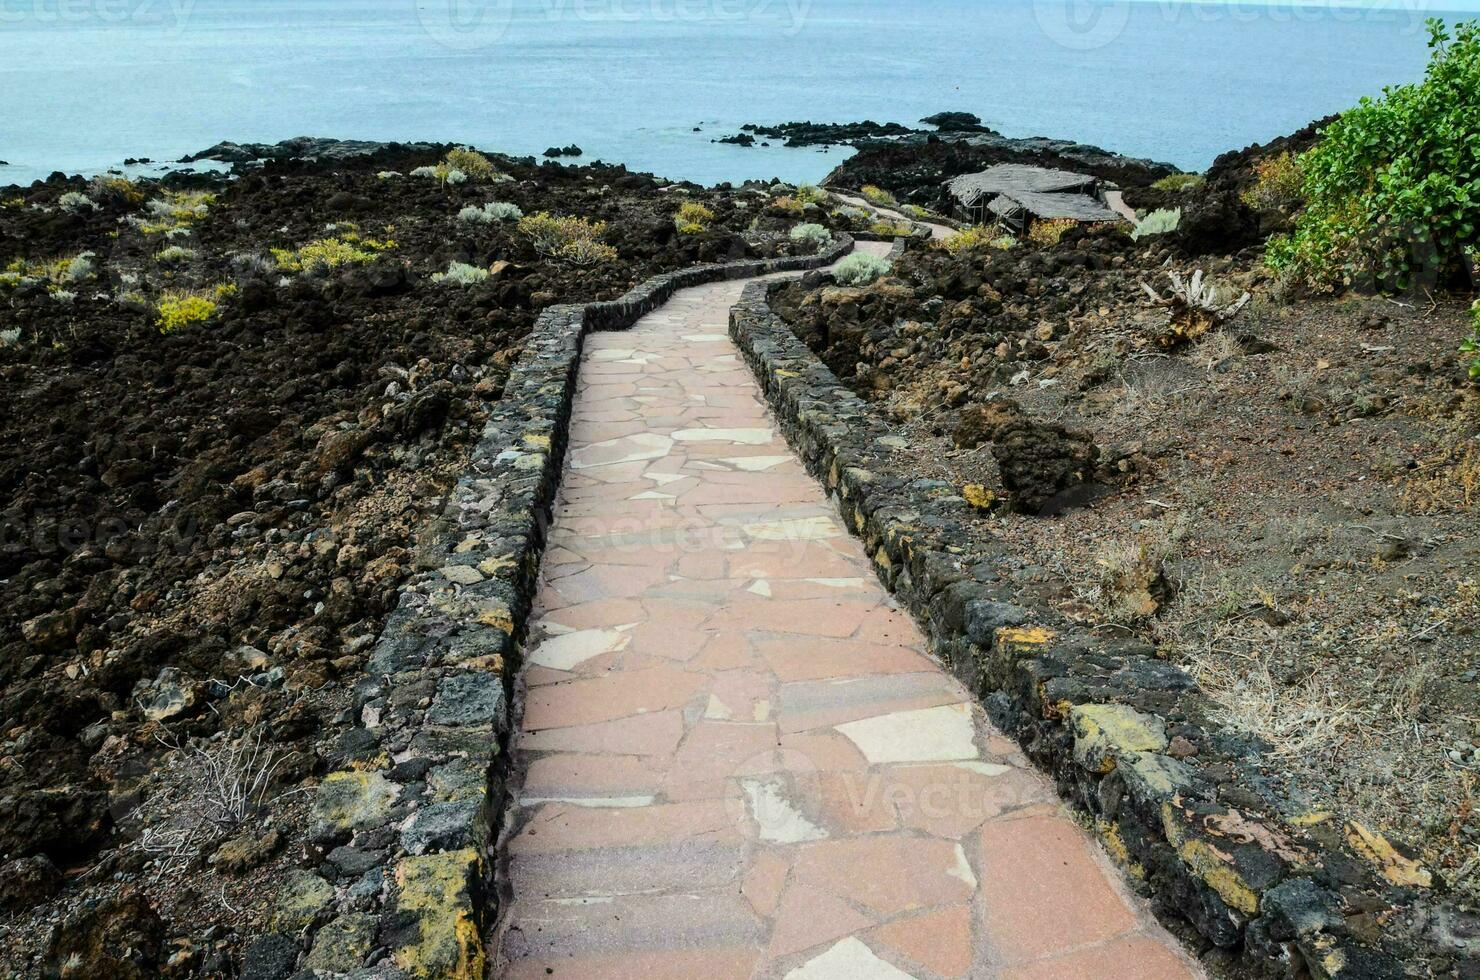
(489, 213)
(859, 269)
(74, 202)
(1158, 222)
(461, 274)
(812, 234)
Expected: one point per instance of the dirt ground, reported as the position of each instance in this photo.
(205, 527)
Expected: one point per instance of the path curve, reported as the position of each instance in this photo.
(737, 759)
(937, 231)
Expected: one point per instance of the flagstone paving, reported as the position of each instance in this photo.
(738, 759)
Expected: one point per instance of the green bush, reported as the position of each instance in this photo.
(1158, 222)
(1279, 183)
(812, 194)
(878, 196)
(1471, 344)
(1393, 188)
(1179, 183)
(461, 274)
(692, 218)
(813, 234)
(975, 236)
(859, 268)
(573, 240)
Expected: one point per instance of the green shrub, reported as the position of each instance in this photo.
(692, 218)
(812, 194)
(891, 229)
(1046, 234)
(178, 308)
(859, 268)
(107, 187)
(471, 163)
(174, 210)
(330, 253)
(1279, 183)
(573, 240)
(1179, 182)
(65, 270)
(74, 202)
(173, 254)
(1471, 344)
(856, 218)
(489, 213)
(788, 205)
(876, 195)
(1158, 222)
(976, 236)
(461, 274)
(1393, 188)
(813, 234)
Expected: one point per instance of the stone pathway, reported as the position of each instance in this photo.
(739, 761)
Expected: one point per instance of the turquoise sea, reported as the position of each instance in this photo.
(87, 83)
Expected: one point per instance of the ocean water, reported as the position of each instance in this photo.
(87, 83)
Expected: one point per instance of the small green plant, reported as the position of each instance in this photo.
(174, 254)
(489, 213)
(812, 234)
(692, 218)
(1391, 187)
(1471, 344)
(461, 274)
(1279, 183)
(388, 175)
(1177, 183)
(470, 162)
(976, 236)
(812, 194)
(174, 210)
(1158, 222)
(876, 195)
(787, 205)
(10, 337)
(890, 229)
(1046, 234)
(109, 187)
(331, 253)
(56, 273)
(856, 218)
(568, 239)
(16, 203)
(74, 202)
(179, 308)
(860, 268)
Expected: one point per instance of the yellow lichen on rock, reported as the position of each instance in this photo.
(434, 887)
(1023, 636)
(1395, 867)
(1210, 864)
(978, 496)
(1105, 733)
(1109, 833)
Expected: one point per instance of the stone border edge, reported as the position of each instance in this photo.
(403, 832)
(1303, 894)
